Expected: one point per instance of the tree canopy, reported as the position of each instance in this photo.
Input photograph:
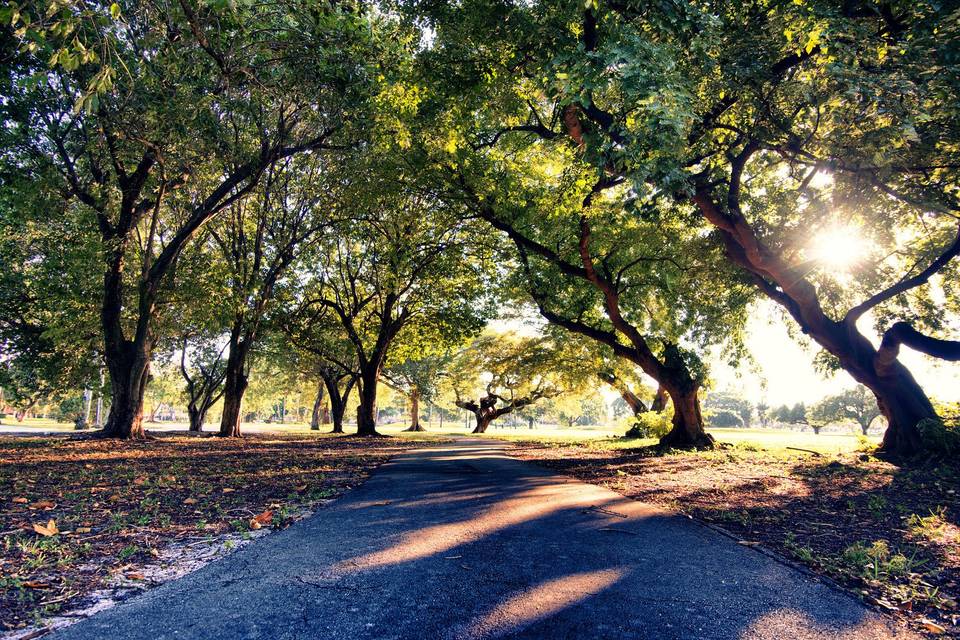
(360, 188)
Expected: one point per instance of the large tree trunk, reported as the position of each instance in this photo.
(415, 411)
(129, 369)
(687, 431)
(317, 404)
(683, 389)
(483, 422)
(904, 404)
(367, 411)
(235, 385)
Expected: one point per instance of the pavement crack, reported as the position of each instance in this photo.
(606, 511)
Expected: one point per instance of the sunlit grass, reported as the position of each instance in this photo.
(600, 436)
(776, 440)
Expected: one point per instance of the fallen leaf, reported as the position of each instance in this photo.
(134, 575)
(21, 500)
(36, 584)
(228, 490)
(932, 626)
(261, 520)
(47, 530)
(301, 487)
(190, 501)
(114, 498)
(83, 529)
(44, 504)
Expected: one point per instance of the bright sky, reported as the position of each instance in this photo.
(787, 365)
(791, 377)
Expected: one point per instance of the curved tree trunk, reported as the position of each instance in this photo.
(687, 431)
(635, 403)
(483, 422)
(659, 400)
(904, 404)
(317, 404)
(367, 410)
(415, 411)
(900, 398)
(683, 389)
(234, 386)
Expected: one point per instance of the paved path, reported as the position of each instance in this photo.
(461, 541)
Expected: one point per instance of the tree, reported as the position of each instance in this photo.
(203, 369)
(829, 110)
(732, 403)
(724, 418)
(577, 408)
(145, 166)
(403, 257)
(594, 254)
(261, 238)
(498, 374)
(318, 347)
(417, 378)
(48, 345)
(853, 404)
(797, 414)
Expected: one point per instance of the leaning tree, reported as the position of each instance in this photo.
(500, 373)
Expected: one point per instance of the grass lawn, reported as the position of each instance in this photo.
(768, 439)
(888, 533)
(78, 516)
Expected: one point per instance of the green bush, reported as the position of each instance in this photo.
(650, 425)
(940, 437)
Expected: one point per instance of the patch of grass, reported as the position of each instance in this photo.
(932, 527)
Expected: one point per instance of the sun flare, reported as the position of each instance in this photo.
(839, 248)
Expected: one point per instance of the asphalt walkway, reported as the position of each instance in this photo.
(461, 541)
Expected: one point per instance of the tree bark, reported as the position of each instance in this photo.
(659, 400)
(129, 368)
(367, 411)
(338, 399)
(683, 389)
(635, 403)
(415, 411)
(235, 385)
(196, 418)
(483, 422)
(317, 404)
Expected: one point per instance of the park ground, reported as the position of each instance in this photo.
(889, 534)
